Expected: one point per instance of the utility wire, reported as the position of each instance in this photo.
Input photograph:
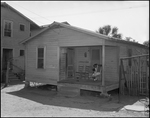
(93, 12)
(45, 17)
(35, 13)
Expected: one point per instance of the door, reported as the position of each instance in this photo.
(96, 55)
(7, 54)
(63, 65)
(70, 62)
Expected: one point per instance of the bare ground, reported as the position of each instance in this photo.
(34, 102)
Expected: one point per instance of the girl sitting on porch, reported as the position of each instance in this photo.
(96, 71)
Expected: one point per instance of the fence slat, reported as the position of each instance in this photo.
(136, 76)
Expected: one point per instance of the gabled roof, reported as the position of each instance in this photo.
(33, 24)
(67, 25)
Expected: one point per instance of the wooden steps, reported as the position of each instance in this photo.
(12, 77)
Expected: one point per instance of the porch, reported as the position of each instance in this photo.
(89, 84)
(80, 60)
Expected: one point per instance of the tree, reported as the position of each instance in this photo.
(112, 32)
(146, 43)
(128, 38)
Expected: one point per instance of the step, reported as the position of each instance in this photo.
(13, 77)
(11, 74)
(68, 91)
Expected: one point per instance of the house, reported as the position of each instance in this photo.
(15, 27)
(55, 54)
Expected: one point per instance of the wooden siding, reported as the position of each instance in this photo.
(73, 38)
(50, 73)
(17, 36)
(111, 69)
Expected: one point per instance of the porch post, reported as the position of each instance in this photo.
(103, 65)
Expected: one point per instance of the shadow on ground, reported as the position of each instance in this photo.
(51, 97)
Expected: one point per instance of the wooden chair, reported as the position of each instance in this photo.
(79, 74)
(85, 74)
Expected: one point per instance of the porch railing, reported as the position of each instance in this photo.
(20, 74)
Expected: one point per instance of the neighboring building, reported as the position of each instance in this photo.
(54, 55)
(15, 27)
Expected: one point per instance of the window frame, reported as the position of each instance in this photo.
(11, 28)
(20, 25)
(44, 47)
(23, 53)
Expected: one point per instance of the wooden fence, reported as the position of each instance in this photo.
(134, 75)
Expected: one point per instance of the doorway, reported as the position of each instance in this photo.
(7, 54)
(70, 62)
(96, 55)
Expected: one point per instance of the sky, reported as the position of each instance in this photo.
(131, 17)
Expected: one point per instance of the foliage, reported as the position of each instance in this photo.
(112, 32)
(146, 43)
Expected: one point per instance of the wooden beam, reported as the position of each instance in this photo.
(103, 65)
(135, 56)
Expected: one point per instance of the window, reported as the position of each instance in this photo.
(40, 58)
(7, 28)
(21, 52)
(22, 27)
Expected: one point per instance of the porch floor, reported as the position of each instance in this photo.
(85, 82)
(90, 84)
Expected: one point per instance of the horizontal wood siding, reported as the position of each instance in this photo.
(111, 68)
(17, 35)
(74, 38)
(50, 73)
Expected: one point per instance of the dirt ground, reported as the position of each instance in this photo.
(34, 102)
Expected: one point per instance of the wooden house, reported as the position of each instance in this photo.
(15, 27)
(55, 54)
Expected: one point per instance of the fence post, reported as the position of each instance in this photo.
(147, 87)
(119, 81)
(7, 73)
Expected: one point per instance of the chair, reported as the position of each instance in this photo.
(86, 73)
(79, 74)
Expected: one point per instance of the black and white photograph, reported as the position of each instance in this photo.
(74, 58)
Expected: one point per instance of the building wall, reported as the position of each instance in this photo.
(111, 64)
(17, 36)
(50, 74)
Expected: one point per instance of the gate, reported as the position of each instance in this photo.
(134, 75)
